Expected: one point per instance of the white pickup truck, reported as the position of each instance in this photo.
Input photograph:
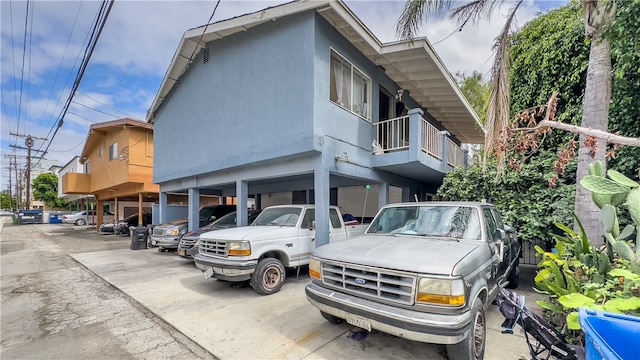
(281, 237)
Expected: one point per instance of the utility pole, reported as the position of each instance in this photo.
(29, 142)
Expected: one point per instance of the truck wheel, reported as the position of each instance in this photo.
(80, 222)
(471, 348)
(513, 276)
(330, 318)
(268, 277)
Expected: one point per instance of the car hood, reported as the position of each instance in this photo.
(405, 253)
(174, 223)
(251, 233)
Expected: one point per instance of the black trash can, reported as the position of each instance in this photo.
(139, 237)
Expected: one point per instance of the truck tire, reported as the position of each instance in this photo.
(81, 222)
(513, 276)
(472, 347)
(268, 277)
(330, 318)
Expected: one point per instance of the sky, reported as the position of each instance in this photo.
(41, 54)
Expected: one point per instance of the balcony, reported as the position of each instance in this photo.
(410, 146)
(76, 183)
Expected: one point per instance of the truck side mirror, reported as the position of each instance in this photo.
(313, 225)
(497, 247)
(501, 234)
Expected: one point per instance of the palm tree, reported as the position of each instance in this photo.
(597, 13)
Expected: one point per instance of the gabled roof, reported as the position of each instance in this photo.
(413, 65)
(97, 130)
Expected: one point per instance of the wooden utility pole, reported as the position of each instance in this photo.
(29, 142)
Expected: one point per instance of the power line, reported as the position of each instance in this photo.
(107, 105)
(90, 108)
(104, 11)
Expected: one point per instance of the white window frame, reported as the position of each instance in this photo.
(113, 151)
(363, 109)
(101, 151)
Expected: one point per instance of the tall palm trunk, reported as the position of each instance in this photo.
(595, 112)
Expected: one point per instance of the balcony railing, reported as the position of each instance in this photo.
(394, 135)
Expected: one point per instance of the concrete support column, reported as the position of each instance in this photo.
(162, 199)
(193, 209)
(383, 194)
(321, 189)
(140, 200)
(242, 195)
(407, 194)
(99, 213)
(415, 130)
(115, 209)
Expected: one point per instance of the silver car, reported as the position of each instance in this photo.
(85, 217)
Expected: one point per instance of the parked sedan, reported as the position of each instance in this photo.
(188, 245)
(85, 217)
(122, 227)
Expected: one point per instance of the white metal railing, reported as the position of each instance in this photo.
(392, 134)
(455, 155)
(431, 140)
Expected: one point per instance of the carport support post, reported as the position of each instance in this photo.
(115, 209)
(194, 206)
(162, 209)
(99, 213)
(321, 186)
(140, 218)
(242, 193)
(383, 194)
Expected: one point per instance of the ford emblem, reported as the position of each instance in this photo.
(360, 281)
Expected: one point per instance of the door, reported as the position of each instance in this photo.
(495, 244)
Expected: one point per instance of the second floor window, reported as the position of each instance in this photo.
(87, 168)
(350, 88)
(113, 151)
(101, 151)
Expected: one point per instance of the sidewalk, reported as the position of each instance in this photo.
(235, 322)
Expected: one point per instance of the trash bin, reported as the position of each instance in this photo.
(139, 237)
(55, 219)
(30, 216)
(609, 335)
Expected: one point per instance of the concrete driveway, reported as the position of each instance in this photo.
(234, 322)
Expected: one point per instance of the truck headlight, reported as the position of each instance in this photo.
(173, 231)
(441, 291)
(239, 248)
(314, 268)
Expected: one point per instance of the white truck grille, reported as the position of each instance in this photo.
(380, 284)
(213, 247)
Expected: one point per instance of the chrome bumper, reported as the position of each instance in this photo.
(404, 323)
(229, 270)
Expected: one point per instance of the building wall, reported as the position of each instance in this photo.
(254, 96)
(105, 172)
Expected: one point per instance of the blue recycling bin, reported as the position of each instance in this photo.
(55, 219)
(610, 336)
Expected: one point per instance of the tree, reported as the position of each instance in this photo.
(476, 91)
(597, 14)
(5, 202)
(45, 188)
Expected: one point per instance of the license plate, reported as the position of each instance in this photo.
(181, 252)
(208, 274)
(359, 321)
(153, 242)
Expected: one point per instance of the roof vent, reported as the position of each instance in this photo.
(205, 55)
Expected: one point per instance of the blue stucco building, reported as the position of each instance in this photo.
(302, 97)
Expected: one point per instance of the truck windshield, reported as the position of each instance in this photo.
(281, 216)
(460, 222)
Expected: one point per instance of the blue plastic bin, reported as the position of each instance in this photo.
(610, 336)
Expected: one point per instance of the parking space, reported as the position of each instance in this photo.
(234, 322)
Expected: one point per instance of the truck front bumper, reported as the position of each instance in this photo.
(165, 242)
(225, 269)
(400, 322)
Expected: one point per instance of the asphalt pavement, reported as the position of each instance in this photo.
(231, 321)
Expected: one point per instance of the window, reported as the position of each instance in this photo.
(349, 87)
(113, 151)
(87, 167)
(101, 151)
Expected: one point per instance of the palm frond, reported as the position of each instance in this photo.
(414, 13)
(499, 107)
(475, 11)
